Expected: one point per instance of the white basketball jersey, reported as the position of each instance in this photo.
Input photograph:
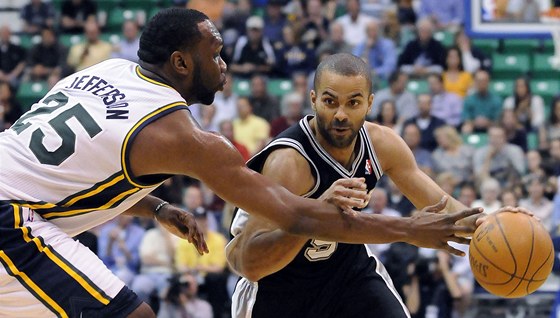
(67, 158)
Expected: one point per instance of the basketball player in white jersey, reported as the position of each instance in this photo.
(297, 276)
(102, 139)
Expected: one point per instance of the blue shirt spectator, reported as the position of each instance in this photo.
(127, 48)
(294, 56)
(444, 13)
(37, 15)
(378, 51)
(426, 122)
(119, 243)
(274, 21)
(445, 105)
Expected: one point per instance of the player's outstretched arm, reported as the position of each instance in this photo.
(174, 144)
(259, 248)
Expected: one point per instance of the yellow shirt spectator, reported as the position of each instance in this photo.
(93, 51)
(460, 86)
(187, 258)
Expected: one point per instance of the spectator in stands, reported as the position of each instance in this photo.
(75, 14)
(467, 194)
(452, 155)
(47, 59)
(10, 109)
(207, 114)
(226, 129)
(354, 23)
(528, 108)
(249, 129)
(193, 200)
(157, 252)
(12, 58)
(536, 202)
(509, 198)
(411, 136)
(455, 79)
(392, 28)
(426, 122)
(379, 52)
(515, 132)
(225, 103)
(445, 105)
(388, 116)
(534, 166)
(481, 108)
(335, 42)
(405, 13)
(551, 163)
(378, 205)
(397, 200)
(36, 16)
(293, 55)
(404, 100)
(90, 52)
(499, 159)
(472, 58)
(264, 104)
(447, 14)
(118, 243)
(551, 129)
(182, 300)
(315, 26)
(208, 268)
(424, 54)
(489, 192)
(274, 21)
(253, 53)
(129, 44)
(292, 112)
(212, 8)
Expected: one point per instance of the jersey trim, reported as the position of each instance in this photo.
(376, 164)
(95, 189)
(125, 162)
(304, 123)
(147, 79)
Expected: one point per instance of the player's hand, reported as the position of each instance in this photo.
(182, 224)
(508, 209)
(434, 230)
(347, 194)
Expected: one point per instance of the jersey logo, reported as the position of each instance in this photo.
(369, 167)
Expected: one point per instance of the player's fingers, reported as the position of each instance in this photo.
(460, 240)
(347, 202)
(461, 230)
(481, 220)
(356, 183)
(353, 193)
(453, 250)
(438, 206)
(465, 213)
(348, 210)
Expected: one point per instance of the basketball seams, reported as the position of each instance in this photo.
(538, 269)
(530, 254)
(512, 276)
(507, 243)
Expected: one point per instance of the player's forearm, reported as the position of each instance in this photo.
(145, 207)
(253, 258)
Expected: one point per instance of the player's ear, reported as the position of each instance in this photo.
(370, 102)
(181, 62)
(313, 99)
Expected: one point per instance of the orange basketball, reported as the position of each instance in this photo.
(511, 254)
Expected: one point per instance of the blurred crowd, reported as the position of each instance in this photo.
(485, 150)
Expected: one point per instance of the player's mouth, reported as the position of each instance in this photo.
(340, 130)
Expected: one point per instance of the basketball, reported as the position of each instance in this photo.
(511, 254)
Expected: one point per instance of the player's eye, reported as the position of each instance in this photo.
(328, 101)
(354, 102)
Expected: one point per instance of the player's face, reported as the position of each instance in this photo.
(341, 104)
(209, 68)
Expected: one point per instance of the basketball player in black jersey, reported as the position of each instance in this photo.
(295, 276)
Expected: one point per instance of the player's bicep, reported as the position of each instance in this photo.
(290, 169)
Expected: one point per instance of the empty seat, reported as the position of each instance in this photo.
(508, 66)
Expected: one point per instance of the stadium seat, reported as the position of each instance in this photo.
(503, 88)
(475, 140)
(70, 39)
(548, 46)
(445, 37)
(117, 16)
(542, 67)
(145, 5)
(519, 46)
(488, 46)
(508, 66)
(279, 87)
(242, 87)
(112, 38)
(26, 40)
(418, 86)
(547, 89)
(31, 92)
(108, 5)
(532, 141)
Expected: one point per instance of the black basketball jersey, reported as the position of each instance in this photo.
(319, 260)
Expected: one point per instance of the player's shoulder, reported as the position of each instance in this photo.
(286, 158)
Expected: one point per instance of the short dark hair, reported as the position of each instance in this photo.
(169, 30)
(344, 64)
(393, 77)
